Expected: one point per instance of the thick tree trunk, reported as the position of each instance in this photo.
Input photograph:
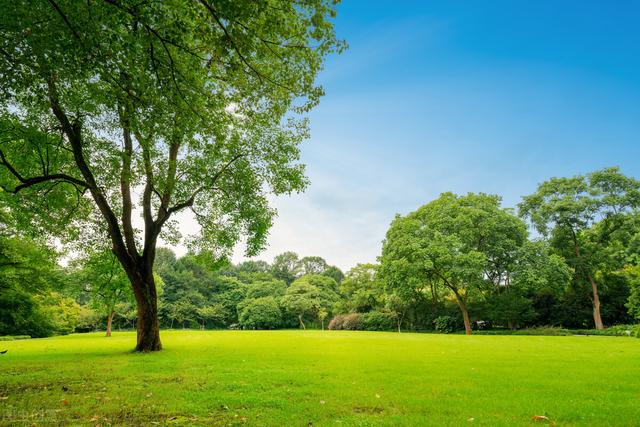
(465, 313)
(148, 328)
(110, 321)
(597, 319)
(301, 322)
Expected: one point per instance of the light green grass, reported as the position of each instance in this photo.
(294, 378)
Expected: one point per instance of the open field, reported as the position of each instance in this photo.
(299, 378)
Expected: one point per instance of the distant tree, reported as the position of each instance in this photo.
(334, 272)
(274, 288)
(28, 274)
(165, 260)
(214, 313)
(632, 274)
(361, 289)
(327, 286)
(397, 306)
(303, 300)
(261, 313)
(103, 278)
(508, 307)
(201, 105)
(452, 242)
(253, 267)
(286, 267)
(565, 209)
(312, 265)
(322, 315)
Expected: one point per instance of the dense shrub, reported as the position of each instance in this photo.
(336, 322)
(378, 321)
(445, 324)
(15, 337)
(261, 313)
(542, 330)
(350, 322)
(616, 330)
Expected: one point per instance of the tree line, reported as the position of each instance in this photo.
(568, 258)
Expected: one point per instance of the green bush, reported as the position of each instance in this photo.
(616, 330)
(445, 324)
(15, 337)
(542, 330)
(261, 313)
(378, 321)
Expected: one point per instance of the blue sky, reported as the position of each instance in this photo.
(462, 96)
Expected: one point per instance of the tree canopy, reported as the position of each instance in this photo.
(112, 108)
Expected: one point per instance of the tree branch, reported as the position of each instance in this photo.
(29, 182)
(74, 136)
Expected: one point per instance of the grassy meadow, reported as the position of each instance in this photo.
(304, 378)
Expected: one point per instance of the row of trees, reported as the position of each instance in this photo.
(472, 250)
(457, 261)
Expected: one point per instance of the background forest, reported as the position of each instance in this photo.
(456, 258)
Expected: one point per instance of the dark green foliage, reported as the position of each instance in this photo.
(446, 324)
(378, 321)
(260, 313)
(509, 308)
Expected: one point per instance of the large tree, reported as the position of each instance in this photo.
(457, 243)
(567, 211)
(114, 108)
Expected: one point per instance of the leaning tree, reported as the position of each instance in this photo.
(116, 115)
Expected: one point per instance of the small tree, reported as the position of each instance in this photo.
(215, 313)
(302, 299)
(103, 278)
(322, 315)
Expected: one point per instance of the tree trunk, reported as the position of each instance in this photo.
(597, 319)
(148, 328)
(594, 288)
(465, 313)
(301, 322)
(110, 321)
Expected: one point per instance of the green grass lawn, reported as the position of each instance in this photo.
(299, 378)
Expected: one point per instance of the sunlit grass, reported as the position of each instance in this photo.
(295, 378)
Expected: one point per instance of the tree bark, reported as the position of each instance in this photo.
(148, 328)
(597, 319)
(465, 313)
(110, 321)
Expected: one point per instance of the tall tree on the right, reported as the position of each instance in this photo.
(565, 210)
